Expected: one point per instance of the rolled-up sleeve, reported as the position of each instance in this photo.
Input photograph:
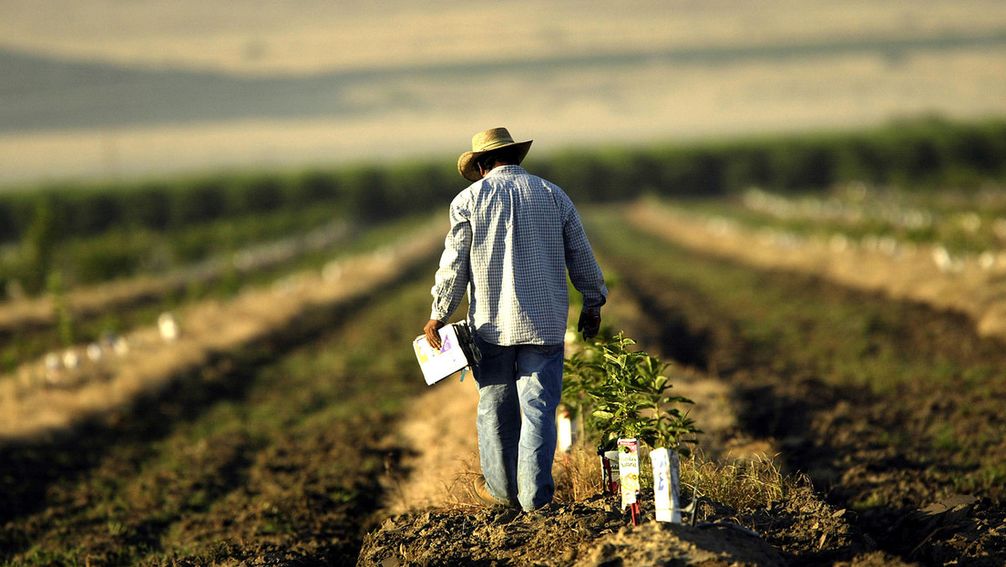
(454, 272)
(583, 269)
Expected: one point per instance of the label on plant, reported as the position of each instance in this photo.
(628, 470)
(666, 485)
(564, 430)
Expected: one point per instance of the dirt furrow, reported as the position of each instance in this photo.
(861, 392)
(265, 457)
(41, 314)
(908, 272)
(34, 404)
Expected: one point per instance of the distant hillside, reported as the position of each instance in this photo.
(42, 93)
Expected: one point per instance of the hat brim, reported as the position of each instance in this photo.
(469, 169)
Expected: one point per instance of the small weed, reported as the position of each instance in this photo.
(743, 485)
(577, 475)
(944, 437)
(869, 502)
(116, 529)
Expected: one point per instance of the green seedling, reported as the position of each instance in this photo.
(626, 393)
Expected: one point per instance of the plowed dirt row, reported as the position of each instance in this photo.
(32, 404)
(910, 273)
(891, 407)
(40, 314)
(268, 456)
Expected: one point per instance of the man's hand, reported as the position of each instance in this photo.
(590, 322)
(432, 336)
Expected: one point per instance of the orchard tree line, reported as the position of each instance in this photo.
(919, 154)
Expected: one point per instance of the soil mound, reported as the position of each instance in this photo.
(587, 533)
(669, 544)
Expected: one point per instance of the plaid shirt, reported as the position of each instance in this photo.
(512, 237)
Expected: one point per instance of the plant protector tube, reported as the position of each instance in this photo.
(628, 470)
(666, 485)
(564, 430)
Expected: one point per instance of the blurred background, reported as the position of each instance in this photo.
(110, 89)
(212, 212)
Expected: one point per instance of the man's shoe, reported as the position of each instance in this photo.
(482, 492)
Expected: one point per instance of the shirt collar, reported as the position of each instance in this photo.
(506, 170)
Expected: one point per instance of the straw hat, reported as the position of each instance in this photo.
(485, 142)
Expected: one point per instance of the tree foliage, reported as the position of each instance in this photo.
(626, 393)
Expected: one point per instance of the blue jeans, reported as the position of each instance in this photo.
(516, 453)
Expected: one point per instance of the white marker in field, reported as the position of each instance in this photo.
(564, 430)
(53, 363)
(168, 327)
(609, 472)
(94, 352)
(70, 359)
(628, 472)
(666, 485)
(120, 346)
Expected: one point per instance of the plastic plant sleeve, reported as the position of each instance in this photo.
(564, 430)
(666, 485)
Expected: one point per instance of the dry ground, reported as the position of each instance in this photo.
(35, 405)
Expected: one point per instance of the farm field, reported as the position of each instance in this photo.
(258, 457)
(88, 452)
(888, 405)
(219, 227)
(257, 401)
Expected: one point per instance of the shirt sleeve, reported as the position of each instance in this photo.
(453, 275)
(583, 269)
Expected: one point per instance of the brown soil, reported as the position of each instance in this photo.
(439, 431)
(711, 545)
(910, 275)
(870, 451)
(800, 530)
(586, 533)
(32, 407)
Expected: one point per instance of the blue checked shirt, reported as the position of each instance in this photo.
(513, 236)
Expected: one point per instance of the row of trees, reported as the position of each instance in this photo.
(369, 192)
(915, 154)
(919, 153)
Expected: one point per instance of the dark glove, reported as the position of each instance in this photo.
(590, 322)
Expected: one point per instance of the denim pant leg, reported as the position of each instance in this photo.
(498, 421)
(539, 388)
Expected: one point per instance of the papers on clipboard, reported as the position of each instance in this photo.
(458, 350)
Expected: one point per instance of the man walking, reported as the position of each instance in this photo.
(513, 237)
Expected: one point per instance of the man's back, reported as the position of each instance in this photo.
(518, 270)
